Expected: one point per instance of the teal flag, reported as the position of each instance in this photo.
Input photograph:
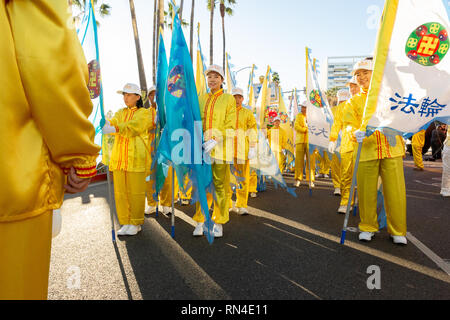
(182, 137)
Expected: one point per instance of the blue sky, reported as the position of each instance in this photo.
(264, 33)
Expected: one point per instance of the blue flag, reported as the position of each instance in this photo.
(87, 34)
(182, 137)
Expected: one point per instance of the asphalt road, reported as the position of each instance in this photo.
(286, 249)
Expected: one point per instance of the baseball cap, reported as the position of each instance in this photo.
(131, 88)
(217, 69)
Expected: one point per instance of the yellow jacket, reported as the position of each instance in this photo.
(44, 108)
(418, 139)
(337, 124)
(246, 133)
(376, 146)
(218, 112)
(132, 151)
(277, 139)
(301, 129)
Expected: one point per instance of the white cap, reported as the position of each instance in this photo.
(277, 119)
(343, 95)
(352, 81)
(217, 69)
(237, 91)
(153, 88)
(363, 65)
(303, 104)
(131, 88)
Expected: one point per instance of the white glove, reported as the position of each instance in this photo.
(251, 153)
(209, 146)
(360, 136)
(56, 223)
(108, 128)
(332, 147)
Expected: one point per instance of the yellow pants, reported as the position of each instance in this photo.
(188, 194)
(281, 159)
(324, 163)
(25, 248)
(151, 186)
(392, 176)
(347, 165)
(336, 171)
(221, 179)
(418, 141)
(243, 171)
(165, 196)
(300, 155)
(253, 182)
(129, 191)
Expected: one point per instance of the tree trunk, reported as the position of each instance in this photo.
(192, 31)
(155, 39)
(160, 25)
(181, 10)
(211, 34)
(142, 79)
(222, 13)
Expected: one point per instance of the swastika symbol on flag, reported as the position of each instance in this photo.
(428, 45)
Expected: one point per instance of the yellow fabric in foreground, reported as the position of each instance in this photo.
(44, 107)
(418, 141)
(25, 260)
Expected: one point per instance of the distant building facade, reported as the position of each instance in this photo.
(339, 70)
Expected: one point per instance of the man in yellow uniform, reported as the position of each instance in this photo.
(151, 184)
(378, 158)
(418, 141)
(245, 143)
(343, 125)
(218, 112)
(46, 140)
(278, 142)
(301, 149)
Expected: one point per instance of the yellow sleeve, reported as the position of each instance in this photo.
(337, 124)
(54, 75)
(140, 124)
(253, 127)
(300, 125)
(230, 119)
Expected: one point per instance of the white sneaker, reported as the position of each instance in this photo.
(326, 176)
(132, 230)
(167, 211)
(242, 211)
(218, 230)
(253, 195)
(399, 240)
(150, 210)
(342, 209)
(123, 230)
(198, 232)
(297, 183)
(185, 202)
(337, 192)
(366, 236)
(234, 209)
(312, 185)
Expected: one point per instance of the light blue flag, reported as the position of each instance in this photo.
(87, 34)
(182, 137)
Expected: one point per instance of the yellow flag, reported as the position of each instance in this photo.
(200, 79)
(263, 99)
(286, 124)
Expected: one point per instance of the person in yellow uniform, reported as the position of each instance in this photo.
(418, 141)
(342, 96)
(130, 159)
(46, 140)
(253, 184)
(302, 149)
(378, 159)
(151, 184)
(345, 125)
(245, 143)
(278, 142)
(218, 112)
(324, 165)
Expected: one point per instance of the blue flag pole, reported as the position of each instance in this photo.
(113, 231)
(352, 190)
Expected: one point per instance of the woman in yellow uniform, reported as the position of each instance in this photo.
(130, 159)
(245, 143)
(151, 184)
(378, 159)
(278, 142)
(301, 149)
(218, 112)
(46, 139)
(418, 141)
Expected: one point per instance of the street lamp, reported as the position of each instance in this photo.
(243, 69)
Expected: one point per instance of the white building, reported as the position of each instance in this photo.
(339, 70)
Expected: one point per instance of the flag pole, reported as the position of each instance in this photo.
(110, 205)
(352, 189)
(173, 202)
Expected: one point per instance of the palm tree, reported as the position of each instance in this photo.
(224, 9)
(181, 10)
(142, 79)
(103, 9)
(169, 15)
(155, 39)
(211, 8)
(192, 30)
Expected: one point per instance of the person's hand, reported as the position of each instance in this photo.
(108, 128)
(209, 146)
(251, 153)
(75, 184)
(332, 147)
(360, 136)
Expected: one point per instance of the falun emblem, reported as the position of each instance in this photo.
(176, 83)
(428, 44)
(314, 98)
(94, 85)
